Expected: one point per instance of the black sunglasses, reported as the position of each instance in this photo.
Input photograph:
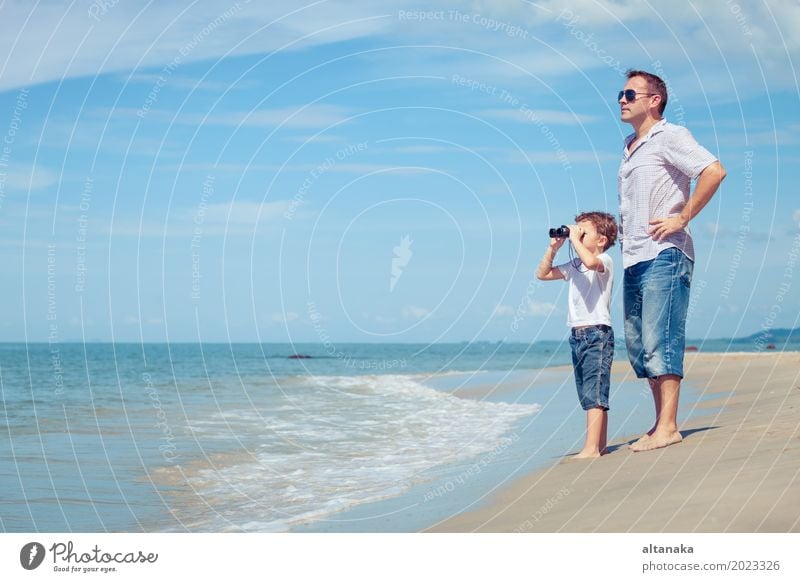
(630, 95)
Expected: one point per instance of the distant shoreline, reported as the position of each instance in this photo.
(737, 342)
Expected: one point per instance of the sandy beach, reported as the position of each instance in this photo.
(737, 469)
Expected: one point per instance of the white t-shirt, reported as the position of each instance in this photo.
(589, 292)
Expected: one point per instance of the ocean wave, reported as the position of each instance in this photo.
(336, 442)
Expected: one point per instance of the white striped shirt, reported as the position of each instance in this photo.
(654, 182)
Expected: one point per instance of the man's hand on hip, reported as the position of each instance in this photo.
(663, 227)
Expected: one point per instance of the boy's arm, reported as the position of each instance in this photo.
(546, 272)
(589, 260)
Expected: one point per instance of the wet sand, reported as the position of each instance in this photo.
(737, 469)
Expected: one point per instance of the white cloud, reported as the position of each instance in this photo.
(427, 149)
(720, 231)
(540, 308)
(539, 116)
(245, 212)
(25, 178)
(318, 116)
(133, 320)
(375, 168)
(718, 44)
(503, 310)
(561, 157)
(223, 219)
(598, 12)
(720, 51)
(321, 138)
(340, 168)
(413, 312)
(54, 40)
(303, 117)
(183, 82)
(284, 317)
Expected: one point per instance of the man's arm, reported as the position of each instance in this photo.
(707, 184)
(545, 271)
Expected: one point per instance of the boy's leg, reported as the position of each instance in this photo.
(595, 347)
(604, 434)
(596, 426)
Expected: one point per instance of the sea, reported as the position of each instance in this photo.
(117, 437)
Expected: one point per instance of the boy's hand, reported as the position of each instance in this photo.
(575, 233)
(557, 243)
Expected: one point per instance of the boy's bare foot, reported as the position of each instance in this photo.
(587, 455)
(656, 441)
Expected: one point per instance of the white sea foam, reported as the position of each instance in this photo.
(338, 441)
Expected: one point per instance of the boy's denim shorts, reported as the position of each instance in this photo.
(592, 355)
(656, 300)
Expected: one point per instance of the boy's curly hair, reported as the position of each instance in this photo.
(605, 224)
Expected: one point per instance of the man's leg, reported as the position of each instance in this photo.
(669, 387)
(655, 390)
(665, 304)
(632, 298)
(665, 433)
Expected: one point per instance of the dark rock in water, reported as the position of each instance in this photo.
(691, 348)
(300, 357)
(770, 346)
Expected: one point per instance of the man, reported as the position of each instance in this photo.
(659, 162)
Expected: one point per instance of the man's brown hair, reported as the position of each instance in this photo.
(655, 85)
(604, 223)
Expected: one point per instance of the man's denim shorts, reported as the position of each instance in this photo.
(592, 355)
(656, 299)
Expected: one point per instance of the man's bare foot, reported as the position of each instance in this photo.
(656, 441)
(639, 442)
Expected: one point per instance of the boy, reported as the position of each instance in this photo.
(590, 277)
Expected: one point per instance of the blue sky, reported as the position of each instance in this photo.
(370, 171)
